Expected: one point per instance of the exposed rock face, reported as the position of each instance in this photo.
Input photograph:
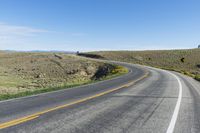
(103, 71)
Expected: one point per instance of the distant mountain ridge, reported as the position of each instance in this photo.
(42, 51)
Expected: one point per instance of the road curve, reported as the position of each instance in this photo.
(162, 102)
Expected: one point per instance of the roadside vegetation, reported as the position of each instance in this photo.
(23, 74)
(197, 77)
(183, 61)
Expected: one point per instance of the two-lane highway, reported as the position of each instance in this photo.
(146, 100)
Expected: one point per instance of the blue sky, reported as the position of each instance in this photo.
(86, 25)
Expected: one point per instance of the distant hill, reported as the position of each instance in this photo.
(185, 61)
(42, 51)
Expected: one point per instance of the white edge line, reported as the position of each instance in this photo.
(176, 110)
(178, 103)
(172, 123)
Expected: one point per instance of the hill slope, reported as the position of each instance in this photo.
(185, 61)
(29, 72)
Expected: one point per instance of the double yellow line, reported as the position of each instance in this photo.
(36, 115)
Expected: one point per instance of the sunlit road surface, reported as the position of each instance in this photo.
(146, 100)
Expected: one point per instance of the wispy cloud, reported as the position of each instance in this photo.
(27, 38)
(13, 30)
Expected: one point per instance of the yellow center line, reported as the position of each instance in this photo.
(36, 115)
(17, 121)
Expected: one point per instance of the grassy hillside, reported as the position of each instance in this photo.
(29, 73)
(185, 61)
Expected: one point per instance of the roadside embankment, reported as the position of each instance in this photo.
(23, 73)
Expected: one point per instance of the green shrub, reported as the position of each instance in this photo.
(119, 69)
(197, 77)
(182, 60)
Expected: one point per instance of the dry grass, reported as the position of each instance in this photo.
(29, 72)
(185, 61)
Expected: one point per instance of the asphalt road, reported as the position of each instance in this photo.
(146, 100)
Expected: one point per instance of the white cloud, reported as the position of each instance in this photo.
(13, 30)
